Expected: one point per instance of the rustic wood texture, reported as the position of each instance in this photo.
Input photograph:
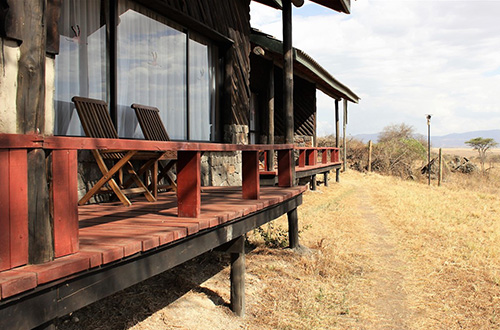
(110, 232)
(13, 209)
(250, 175)
(31, 75)
(153, 129)
(52, 21)
(189, 183)
(97, 123)
(41, 248)
(64, 201)
(285, 161)
(12, 19)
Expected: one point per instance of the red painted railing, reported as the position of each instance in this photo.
(308, 156)
(14, 149)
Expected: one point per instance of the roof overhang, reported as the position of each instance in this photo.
(304, 66)
(343, 6)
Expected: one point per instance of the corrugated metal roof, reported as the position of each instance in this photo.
(343, 6)
(307, 67)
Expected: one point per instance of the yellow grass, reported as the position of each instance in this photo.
(384, 254)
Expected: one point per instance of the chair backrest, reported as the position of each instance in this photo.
(95, 118)
(150, 122)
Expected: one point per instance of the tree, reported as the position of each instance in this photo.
(397, 150)
(481, 145)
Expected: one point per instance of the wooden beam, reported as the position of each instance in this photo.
(337, 136)
(312, 156)
(237, 276)
(270, 108)
(60, 298)
(325, 176)
(288, 77)
(13, 209)
(65, 201)
(302, 157)
(285, 176)
(189, 183)
(41, 245)
(344, 143)
(250, 174)
(313, 182)
(31, 75)
(293, 228)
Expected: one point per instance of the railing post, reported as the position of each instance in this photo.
(189, 183)
(312, 156)
(302, 158)
(250, 174)
(285, 175)
(65, 201)
(324, 156)
(13, 208)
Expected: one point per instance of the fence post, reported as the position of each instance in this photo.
(370, 146)
(440, 175)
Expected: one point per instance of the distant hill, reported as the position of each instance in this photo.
(454, 140)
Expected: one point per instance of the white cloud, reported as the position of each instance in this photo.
(404, 59)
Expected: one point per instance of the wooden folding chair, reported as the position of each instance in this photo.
(97, 123)
(153, 129)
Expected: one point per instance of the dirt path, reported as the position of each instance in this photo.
(387, 275)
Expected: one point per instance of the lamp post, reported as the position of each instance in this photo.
(429, 147)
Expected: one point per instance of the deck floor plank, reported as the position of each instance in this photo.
(110, 232)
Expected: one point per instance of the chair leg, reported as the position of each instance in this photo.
(140, 184)
(107, 177)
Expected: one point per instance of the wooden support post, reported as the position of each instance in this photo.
(237, 275)
(344, 138)
(285, 166)
(250, 174)
(313, 182)
(41, 245)
(189, 183)
(370, 146)
(337, 136)
(302, 158)
(270, 108)
(293, 228)
(288, 76)
(325, 175)
(13, 208)
(65, 201)
(440, 176)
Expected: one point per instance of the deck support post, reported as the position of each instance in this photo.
(237, 277)
(313, 182)
(293, 228)
(325, 176)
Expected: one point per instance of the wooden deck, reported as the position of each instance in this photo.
(115, 239)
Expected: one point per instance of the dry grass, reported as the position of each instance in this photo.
(451, 239)
(380, 249)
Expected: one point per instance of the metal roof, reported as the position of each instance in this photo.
(343, 6)
(306, 67)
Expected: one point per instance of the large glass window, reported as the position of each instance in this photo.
(159, 63)
(81, 63)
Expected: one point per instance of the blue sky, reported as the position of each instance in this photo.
(405, 59)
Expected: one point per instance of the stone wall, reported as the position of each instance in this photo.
(221, 169)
